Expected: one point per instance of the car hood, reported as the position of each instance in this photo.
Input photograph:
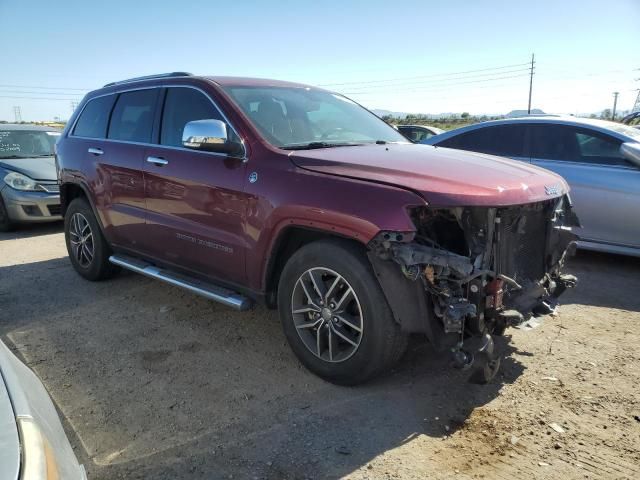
(38, 168)
(442, 176)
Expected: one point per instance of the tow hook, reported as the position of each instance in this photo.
(479, 353)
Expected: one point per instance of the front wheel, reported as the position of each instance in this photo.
(335, 316)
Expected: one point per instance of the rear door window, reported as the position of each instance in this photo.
(503, 140)
(132, 117)
(183, 105)
(94, 118)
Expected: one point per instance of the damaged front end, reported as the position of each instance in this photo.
(467, 273)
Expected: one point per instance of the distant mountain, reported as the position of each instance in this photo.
(522, 113)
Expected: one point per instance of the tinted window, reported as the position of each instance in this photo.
(503, 140)
(94, 118)
(183, 105)
(565, 143)
(132, 118)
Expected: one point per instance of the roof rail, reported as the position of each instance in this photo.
(150, 77)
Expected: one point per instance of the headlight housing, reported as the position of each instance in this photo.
(19, 181)
(38, 461)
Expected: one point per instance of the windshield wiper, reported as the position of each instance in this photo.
(312, 145)
(11, 157)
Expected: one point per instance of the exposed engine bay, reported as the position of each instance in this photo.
(481, 270)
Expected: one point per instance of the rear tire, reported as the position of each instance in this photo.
(87, 248)
(6, 225)
(347, 340)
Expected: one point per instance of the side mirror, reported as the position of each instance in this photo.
(631, 151)
(210, 136)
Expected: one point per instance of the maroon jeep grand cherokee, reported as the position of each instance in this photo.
(247, 190)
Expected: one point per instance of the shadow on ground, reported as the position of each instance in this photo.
(157, 383)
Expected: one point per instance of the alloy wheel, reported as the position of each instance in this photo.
(327, 314)
(81, 239)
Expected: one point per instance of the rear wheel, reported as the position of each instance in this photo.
(88, 250)
(6, 225)
(335, 316)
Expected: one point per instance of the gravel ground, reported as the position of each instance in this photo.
(154, 382)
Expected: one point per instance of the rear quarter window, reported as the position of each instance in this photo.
(94, 118)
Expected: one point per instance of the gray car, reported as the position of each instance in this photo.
(600, 160)
(33, 444)
(28, 184)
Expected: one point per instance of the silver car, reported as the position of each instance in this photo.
(32, 441)
(28, 183)
(600, 160)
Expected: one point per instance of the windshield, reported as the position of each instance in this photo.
(290, 117)
(27, 143)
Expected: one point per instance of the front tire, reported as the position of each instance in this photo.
(335, 316)
(87, 248)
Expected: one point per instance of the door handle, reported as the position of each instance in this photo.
(160, 162)
(95, 151)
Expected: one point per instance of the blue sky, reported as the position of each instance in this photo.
(403, 56)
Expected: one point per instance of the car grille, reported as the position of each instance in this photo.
(50, 187)
(55, 209)
(521, 244)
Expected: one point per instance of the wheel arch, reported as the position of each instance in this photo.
(289, 240)
(69, 191)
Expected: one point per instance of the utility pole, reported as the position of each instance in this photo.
(636, 106)
(17, 114)
(74, 105)
(533, 61)
(615, 103)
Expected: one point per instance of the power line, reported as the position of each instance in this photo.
(366, 82)
(45, 88)
(440, 80)
(34, 98)
(38, 93)
(446, 86)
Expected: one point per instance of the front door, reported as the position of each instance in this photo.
(605, 187)
(195, 200)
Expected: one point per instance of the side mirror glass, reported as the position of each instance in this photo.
(631, 151)
(210, 136)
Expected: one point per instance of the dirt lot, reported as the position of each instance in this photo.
(154, 382)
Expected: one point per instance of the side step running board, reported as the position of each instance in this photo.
(207, 290)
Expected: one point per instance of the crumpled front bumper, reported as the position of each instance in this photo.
(479, 270)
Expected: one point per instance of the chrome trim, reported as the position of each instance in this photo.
(160, 162)
(244, 158)
(202, 132)
(223, 296)
(95, 151)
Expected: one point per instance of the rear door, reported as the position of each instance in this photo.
(112, 170)
(130, 129)
(195, 200)
(605, 188)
